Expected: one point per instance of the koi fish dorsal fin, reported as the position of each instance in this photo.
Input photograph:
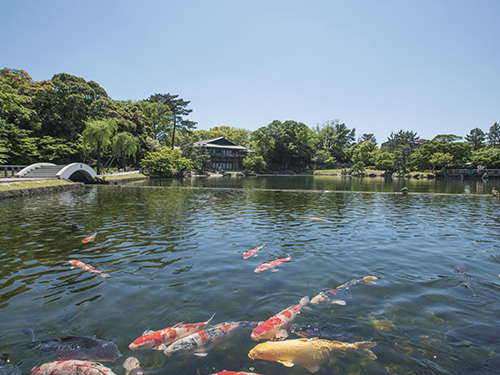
(147, 332)
(178, 324)
(209, 320)
(287, 363)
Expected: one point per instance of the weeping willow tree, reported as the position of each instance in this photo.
(125, 145)
(97, 136)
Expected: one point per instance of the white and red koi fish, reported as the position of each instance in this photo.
(199, 343)
(71, 367)
(272, 266)
(275, 327)
(86, 267)
(90, 238)
(336, 295)
(252, 253)
(158, 340)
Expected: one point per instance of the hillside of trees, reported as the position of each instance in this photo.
(68, 119)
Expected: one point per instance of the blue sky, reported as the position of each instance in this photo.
(378, 66)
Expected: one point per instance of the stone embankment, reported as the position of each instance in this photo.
(14, 193)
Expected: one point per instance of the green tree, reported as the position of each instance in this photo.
(335, 138)
(494, 135)
(441, 160)
(125, 145)
(164, 161)
(97, 135)
(476, 138)
(3, 152)
(159, 118)
(322, 159)
(287, 145)
(254, 163)
(487, 156)
(178, 107)
(363, 152)
(383, 159)
(197, 155)
(368, 137)
(359, 168)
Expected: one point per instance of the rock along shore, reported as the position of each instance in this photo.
(14, 193)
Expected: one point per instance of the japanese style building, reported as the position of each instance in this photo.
(224, 154)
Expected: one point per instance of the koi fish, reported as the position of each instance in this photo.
(90, 238)
(335, 295)
(158, 340)
(309, 353)
(235, 373)
(272, 266)
(252, 253)
(461, 275)
(199, 343)
(71, 367)
(275, 326)
(86, 267)
(132, 366)
(312, 218)
(75, 347)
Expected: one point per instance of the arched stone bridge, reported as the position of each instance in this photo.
(77, 172)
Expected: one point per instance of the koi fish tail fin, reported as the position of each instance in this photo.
(370, 279)
(30, 333)
(363, 348)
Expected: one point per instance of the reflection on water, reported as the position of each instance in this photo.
(175, 254)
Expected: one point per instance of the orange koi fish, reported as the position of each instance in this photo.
(89, 239)
(312, 218)
(158, 340)
(252, 253)
(86, 267)
(272, 266)
(274, 327)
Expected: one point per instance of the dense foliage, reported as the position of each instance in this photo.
(67, 119)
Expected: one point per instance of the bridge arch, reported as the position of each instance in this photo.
(77, 172)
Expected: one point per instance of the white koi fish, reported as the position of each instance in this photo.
(71, 367)
(272, 266)
(199, 343)
(336, 295)
(159, 340)
(252, 253)
(275, 327)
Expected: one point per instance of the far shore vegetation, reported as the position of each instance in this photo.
(68, 119)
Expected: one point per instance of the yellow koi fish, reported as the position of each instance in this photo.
(309, 353)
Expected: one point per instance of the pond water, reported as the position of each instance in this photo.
(176, 254)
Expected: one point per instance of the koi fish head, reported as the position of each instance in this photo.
(264, 351)
(319, 299)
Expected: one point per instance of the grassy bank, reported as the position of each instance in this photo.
(16, 184)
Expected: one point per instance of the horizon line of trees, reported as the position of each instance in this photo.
(67, 119)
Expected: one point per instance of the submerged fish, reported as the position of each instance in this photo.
(72, 367)
(275, 327)
(159, 340)
(86, 267)
(199, 343)
(489, 367)
(309, 353)
(272, 266)
(9, 369)
(96, 249)
(475, 334)
(319, 330)
(336, 295)
(235, 373)
(75, 347)
(252, 253)
(461, 275)
(90, 238)
(312, 218)
(132, 366)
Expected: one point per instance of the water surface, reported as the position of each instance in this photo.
(176, 254)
